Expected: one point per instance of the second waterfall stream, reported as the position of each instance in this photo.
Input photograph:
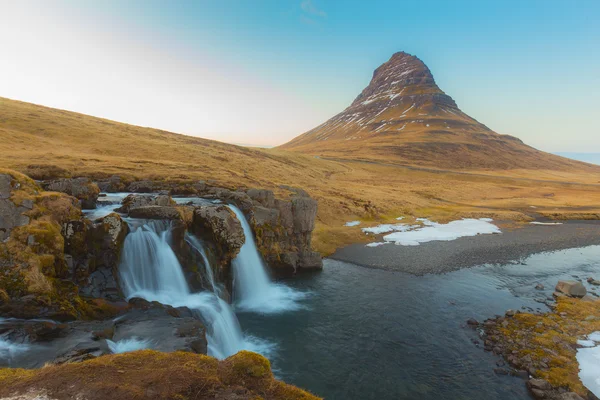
(254, 291)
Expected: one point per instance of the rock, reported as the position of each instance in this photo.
(155, 212)
(81, 188)
(539, 384)
(11, 214)
(45, 330)
(219, 224)
(587, 297)
(141, 187)
(113, 184)
(539, 286)
(538, 394)
(98, 272)
(265, 197)
(304, 210)
(78, 355)
(571, 288)
(510, 313)
(569, 396)
(501, 371)
(134, 201)
(594, 282)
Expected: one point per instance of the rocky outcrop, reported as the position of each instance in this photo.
(81, 188)
(11, 214)
(219, 225)
(283, 229)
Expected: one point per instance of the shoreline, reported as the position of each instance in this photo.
(438, 257)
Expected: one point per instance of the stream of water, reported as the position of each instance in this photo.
(375, 334)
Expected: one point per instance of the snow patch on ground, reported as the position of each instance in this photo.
(414, 235)
(385, 228)
(433, 231)
(352, 223)
(376, 244)
(589, 363)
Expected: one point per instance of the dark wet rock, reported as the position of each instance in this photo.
(501, 371)
(539, 286)
(78, 355)
(81, 188)
(510, 313)
(96, 270)
(155, 212)
(571, 288)
(164, 330)
(220, 225)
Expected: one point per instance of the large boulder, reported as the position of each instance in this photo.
(571, 288)
(81, 188)
(155, 212)
(219, 225)
(134, 201)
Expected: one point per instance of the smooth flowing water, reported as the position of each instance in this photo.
(375, 334)
(150, 270)
(254, 291)
(199, 247)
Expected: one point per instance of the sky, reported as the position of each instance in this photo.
(264, 71)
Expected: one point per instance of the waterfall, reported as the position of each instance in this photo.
(254, 290)
(198, 246)
(149, 269)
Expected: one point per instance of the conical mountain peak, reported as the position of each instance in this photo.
(402, 116)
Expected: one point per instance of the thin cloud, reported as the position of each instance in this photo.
(309, 7)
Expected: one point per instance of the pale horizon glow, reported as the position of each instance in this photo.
(262, 74)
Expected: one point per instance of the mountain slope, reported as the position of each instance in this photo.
(403, 117)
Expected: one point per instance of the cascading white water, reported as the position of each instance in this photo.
(197, 245)
(254, 290)
(150, 270)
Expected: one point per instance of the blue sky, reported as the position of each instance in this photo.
(265, 71)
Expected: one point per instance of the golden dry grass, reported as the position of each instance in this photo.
(346, 190)
(150, 374)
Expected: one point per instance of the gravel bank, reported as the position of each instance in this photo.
(440, 257)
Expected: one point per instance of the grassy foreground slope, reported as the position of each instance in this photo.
(32, 135)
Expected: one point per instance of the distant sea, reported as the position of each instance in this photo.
(593, 158)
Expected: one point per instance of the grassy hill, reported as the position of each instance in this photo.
(34, 139)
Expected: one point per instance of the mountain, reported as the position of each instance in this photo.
(403, 117)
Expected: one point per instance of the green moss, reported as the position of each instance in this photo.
(551, 339)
